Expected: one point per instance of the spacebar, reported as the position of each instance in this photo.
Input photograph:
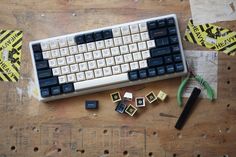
(104, 81)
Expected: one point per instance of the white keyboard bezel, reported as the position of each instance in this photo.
(129, 83)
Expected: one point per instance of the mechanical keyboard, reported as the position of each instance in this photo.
(111, 57)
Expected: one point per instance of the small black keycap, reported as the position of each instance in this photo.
(162, 42)
(173, 39)
(107, 34)
(172, 31)
(157, 33)
(36, 48)
(120, 107)
(89, 37)
(153, 62)
(170, 69)
(56, 90)
(79, 39)
(175, 48)
(161, 23)
(160, 70)
(151, 25)
(179, 67)
(68, 88)
(142, 73)
(45, 92)
(52, 81)
(38, 56)
(98, 36)
(155, 52)
(133, 75)
(41, 65)
(151, 72)
(177, 58)
(91, 104)
(44, 73)
(168, 59)
(170, 21)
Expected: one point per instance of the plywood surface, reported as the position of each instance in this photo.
(65, 129)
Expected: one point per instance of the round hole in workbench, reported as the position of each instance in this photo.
(82, 151)
(228, 68)
(105, 131)
(174, 155)
(58, 149)
(106, 151)
(154, 133)
(150, 154)
(125, 152)
(228, 105)
(198, 155)
(36, 149)
(13, 148)
(228, 82)
(56, 129)
(11, 127)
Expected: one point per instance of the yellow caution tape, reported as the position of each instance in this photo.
(212, 37)
(10, 54)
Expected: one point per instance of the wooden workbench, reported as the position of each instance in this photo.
(65, 129)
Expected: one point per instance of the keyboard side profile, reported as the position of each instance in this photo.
(106, 58)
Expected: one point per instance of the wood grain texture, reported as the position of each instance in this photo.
(64, 128)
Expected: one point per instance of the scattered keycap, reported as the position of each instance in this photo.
(91, 104)
(151, 97)
(130, 110)
(140, 101)
(115, 97)
(128, 96)
(161, 95)
(120, 107)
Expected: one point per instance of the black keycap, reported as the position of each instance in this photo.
(172, 31)
(177, 58)
(56, 90)
(153, 62)
(142, 73)
(79, 39)
(41, 65)
(155, 52)
(157, 33)
(91, 104)
(68, 88)
(45, 92)
(151, 72)
(170, 21)
(36, 48)
(151, 25)
(107, 34)
(38, 56)
(162, 42)
(98, 36)
(160, 70)
(89, 37)
(120, 107)
(52, 81)
(175, 48)
(170, 69)
(179, 67)
(168, 59)
(44, 73)
(173, 39)
(161, 23)
(133, 75)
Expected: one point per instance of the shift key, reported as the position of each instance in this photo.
(48, 82)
